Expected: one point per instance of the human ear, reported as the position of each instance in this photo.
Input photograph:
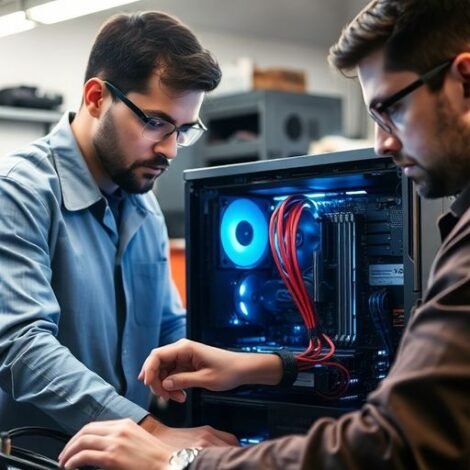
(93, 95)
(461, 70)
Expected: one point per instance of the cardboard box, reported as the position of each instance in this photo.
(279, 79)
(242, 76)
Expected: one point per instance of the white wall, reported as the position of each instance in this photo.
(54, 58)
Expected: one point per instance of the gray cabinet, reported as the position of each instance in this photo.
(250, 126)
(261, 125)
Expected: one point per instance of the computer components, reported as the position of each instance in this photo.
(315, 254)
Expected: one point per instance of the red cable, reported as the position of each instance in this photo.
(282, 238)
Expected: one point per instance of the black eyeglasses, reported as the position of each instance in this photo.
(157, 129)
(379, 111)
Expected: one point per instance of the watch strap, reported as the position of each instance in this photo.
(289, 367)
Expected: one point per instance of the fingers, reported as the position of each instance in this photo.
(184, 380)
(166, 358)
(176, 395)
(82, 444)
(208, 436)
(203, 436)
(82, 458)
(150, 368)
(170, 369)
(163, 361)
(226, 438)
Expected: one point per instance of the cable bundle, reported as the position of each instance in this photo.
(282, 237)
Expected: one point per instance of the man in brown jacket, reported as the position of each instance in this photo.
(413, 62)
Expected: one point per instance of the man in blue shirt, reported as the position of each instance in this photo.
(85, 286)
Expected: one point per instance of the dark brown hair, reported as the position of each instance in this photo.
(129, 48)
(416, 35)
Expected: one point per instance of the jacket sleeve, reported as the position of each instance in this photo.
(419, 417)
(34, 367)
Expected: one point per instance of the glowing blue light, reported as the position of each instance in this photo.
(280, 198)
(242, 290)
(244, 233)
(243, 308)
(355, 193)
(316, 195)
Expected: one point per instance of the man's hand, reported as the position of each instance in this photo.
(170, 369)
(117, 445)
(202, 436)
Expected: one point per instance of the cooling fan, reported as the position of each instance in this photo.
(243, 233)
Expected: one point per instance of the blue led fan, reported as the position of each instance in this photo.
(248, 296)
(244, 233)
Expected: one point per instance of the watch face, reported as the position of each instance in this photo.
(181, 459)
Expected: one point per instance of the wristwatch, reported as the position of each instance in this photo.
(181, 459)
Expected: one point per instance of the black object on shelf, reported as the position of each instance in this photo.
(29, 97)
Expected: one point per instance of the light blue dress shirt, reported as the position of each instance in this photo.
(66, 356)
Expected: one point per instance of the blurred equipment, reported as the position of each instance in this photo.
(245, 127)
(29, 97)
(244, 75)
(261, 125)
(280, 79)
(14, 457)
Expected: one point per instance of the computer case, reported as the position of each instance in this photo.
(363, 258)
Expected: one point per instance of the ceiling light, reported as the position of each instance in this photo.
(61, 10)
(15, 23)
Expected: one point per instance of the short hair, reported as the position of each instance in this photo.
(130, 48)
(415, 35)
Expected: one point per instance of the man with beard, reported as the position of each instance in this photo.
(85, 286)
(413, 63)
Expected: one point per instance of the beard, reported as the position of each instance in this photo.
(110, 155)
(448, 171)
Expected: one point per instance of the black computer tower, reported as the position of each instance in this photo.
(359, 246)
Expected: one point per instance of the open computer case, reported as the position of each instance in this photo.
(343, 236)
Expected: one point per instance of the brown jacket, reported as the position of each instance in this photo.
(419, 416)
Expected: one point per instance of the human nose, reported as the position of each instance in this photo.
(386, 143)
(167, 146)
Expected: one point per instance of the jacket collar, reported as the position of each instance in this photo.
(449, 220)
(462, 203)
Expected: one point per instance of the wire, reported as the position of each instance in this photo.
(26, 459)
(283, 227)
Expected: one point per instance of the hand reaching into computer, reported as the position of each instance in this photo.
(170, 369)
(124, 445)
(120, 445)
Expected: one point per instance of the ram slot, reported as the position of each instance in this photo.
(345, 235)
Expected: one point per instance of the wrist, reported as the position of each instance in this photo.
(151, 425)
(263, 369)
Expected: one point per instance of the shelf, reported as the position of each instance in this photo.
(42, 116)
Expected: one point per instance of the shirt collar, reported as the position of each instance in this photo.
(79, 189)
